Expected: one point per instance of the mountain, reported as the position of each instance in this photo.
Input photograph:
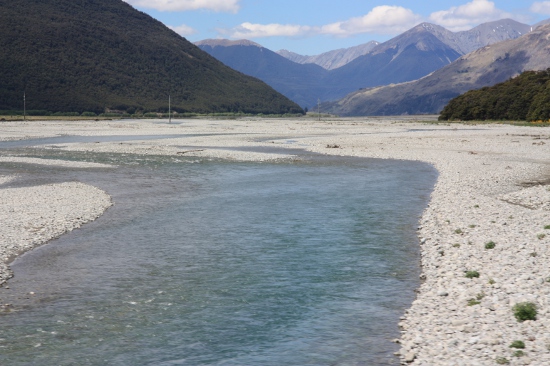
(543, 22)
(409, 56)
(462, 42)
(484, 67)
(406, 57)
(484, 34)
(98, 55)
(300, 83)
(332, 59)
(523, 98)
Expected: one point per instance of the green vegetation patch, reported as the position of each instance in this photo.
(517, 344)
(525, 311)
(523, 98)
(490, 245)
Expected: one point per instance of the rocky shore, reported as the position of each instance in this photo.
(488, 217)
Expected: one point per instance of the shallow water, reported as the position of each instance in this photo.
(205, 262)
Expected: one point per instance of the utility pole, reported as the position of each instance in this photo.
(169, 110)
(319, 108)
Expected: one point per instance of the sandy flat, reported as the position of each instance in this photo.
(493, 186)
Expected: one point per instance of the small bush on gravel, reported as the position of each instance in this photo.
(502, 361)
(458, 231)
(456, 245)
(491, 281)
(547, 227)
(541, 236)
(473, 302)
(517, 344)
(518, 353)
(525, 311)
(490, 245)
(472, 274)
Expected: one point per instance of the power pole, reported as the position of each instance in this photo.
(319, 108)
(169, 110)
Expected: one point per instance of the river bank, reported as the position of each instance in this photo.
(492, 187)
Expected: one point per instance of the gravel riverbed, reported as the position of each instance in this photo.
(493, 187)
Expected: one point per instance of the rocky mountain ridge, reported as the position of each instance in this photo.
(486, 66)
(332, 59)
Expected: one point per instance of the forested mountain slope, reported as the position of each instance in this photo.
(523, 98)
(96, 55)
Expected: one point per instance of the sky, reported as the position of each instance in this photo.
(311, 27)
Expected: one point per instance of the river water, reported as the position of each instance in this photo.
(209, 262)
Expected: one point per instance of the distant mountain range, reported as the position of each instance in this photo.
(484, 67)
(100, 55)
(407, 57)
(300, 83)
(332, 59)
(462, 42)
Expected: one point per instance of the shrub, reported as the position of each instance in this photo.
(88, 114)
(518, 353)
(517, 344)
(490, 245)
(541, 236)
(472, 302)
(525, 311)
(502, 361)
(472, 274)
(547, 227)
(458, 231)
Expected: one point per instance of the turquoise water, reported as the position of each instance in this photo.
(214, 263)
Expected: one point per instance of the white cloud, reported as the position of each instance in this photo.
(541, 7)
(381, 19)
(183, 30)
(469, 15)
(231, 6)
(250, 30)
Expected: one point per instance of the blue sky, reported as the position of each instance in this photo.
(310, 27)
